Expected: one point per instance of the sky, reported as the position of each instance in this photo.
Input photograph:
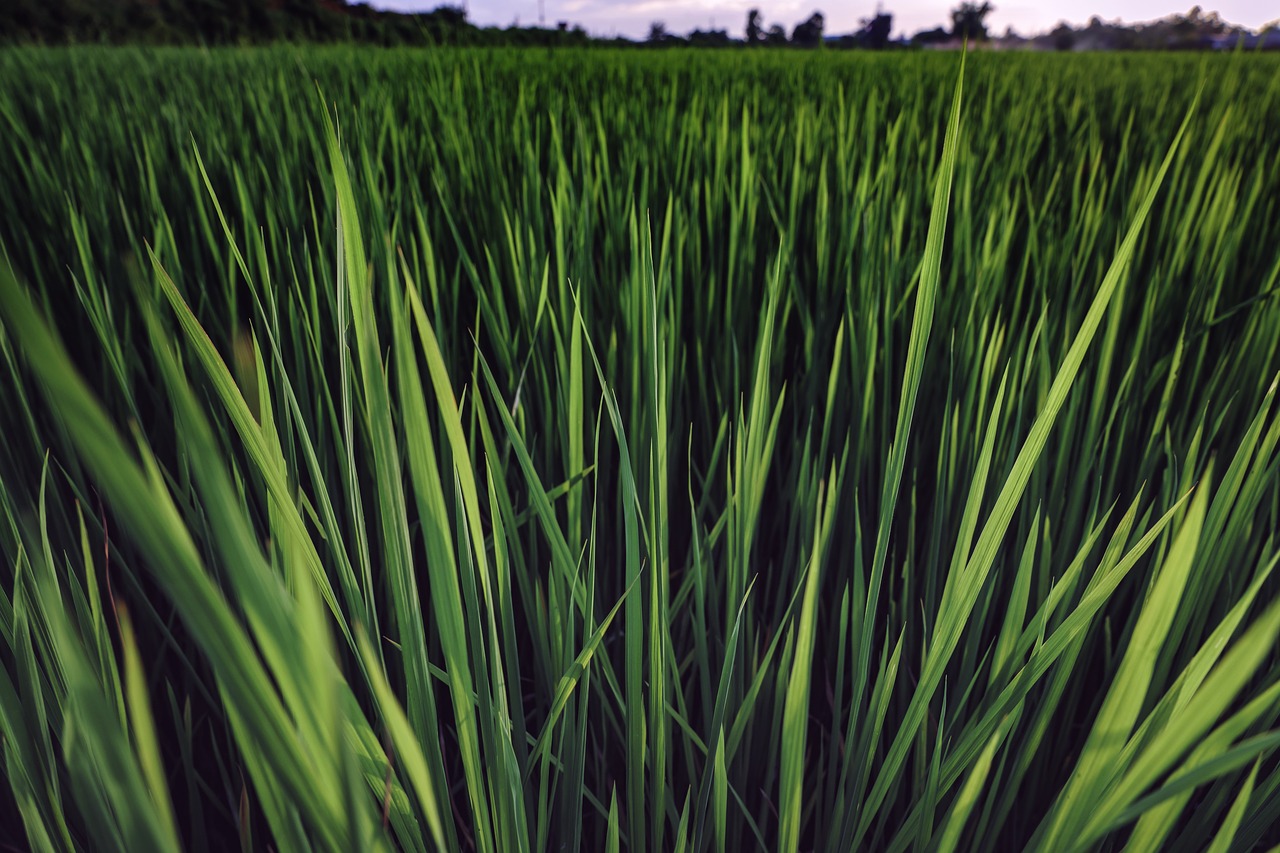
(632, 17)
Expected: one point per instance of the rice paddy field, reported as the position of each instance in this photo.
(530, 451)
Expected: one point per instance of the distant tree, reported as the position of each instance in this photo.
(658, 32)
(146, 22)
(710, 38)
(875, 31)
(25, 20)
(935, 36)
(755, 32)
(776, 35)
(305, 20)
(1063, 37)
(447, 25)
(968, 21)
(453, 16)
(808, 33)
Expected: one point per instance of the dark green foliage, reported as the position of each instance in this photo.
(875, 31)
(808, 33)
(968, 21)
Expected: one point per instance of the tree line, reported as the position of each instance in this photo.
(874, 33)
(216, 22)
(213, 22)
(262, 21)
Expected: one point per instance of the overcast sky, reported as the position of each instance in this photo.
(632, 17)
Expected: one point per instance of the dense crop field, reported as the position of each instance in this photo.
(650, 451)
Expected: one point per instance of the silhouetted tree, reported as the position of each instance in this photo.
(968, 21)
(657, 32)
(808, 33)
(755, 32)
(935, 36)
(710, 38)
(776, 35)
(1064, 38)
(875, 31)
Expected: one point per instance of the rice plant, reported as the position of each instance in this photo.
(512, 450)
